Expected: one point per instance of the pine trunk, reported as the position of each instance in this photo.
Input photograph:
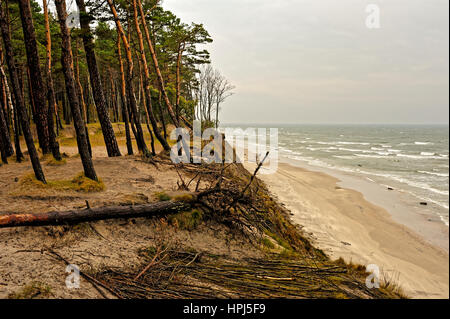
(52, 107)
(14, 115)
(20, 104)
(146, 84)
(67, 63)
(37, 85)
(123, 94)
(157, 69)
(130, 88)
(97, 88)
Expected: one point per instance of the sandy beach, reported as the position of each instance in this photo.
(345, 223)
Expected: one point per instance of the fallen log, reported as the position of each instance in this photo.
(8, 220)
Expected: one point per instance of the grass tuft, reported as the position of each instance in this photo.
(268, 243)
(79, 183)
(186, 220)
(31, 291)
(163, 197)
(86, 185)
(54, 162)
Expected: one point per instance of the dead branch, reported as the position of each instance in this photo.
(250, 182)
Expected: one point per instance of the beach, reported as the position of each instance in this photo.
(363, 223)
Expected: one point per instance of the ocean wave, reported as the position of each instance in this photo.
(427, 154)
(408, 182)
(326, 143)
(434, 173)
(423, 143)
(415, 184)
(354, 150)
(419, 157)
(353, 143)
(314, 149)
(379, 156)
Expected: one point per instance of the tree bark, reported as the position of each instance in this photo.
(9, 220)
(20, 105)
(178, 80)
(52, 107)
(97, 87)
(156, 65)
(6, 148)
(15, 121)
(82, 102)
(67, 63)
(146, 83)
(37, 85)
(123, 93)
(130, 88)
(5, 142)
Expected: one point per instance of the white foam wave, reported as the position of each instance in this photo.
(423, 143)
(380, 156)
(427, 154)
(353, 143)
(422, 156)
(434, 173)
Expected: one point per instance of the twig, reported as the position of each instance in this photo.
(158, 253)
(92, 280)
(250, 182)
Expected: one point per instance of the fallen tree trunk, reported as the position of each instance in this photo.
(79, 216)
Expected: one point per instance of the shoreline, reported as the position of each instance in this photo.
(355, 219)
(403, 207)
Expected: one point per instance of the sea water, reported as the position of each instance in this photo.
(409, 158)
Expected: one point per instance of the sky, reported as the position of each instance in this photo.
(310, 61)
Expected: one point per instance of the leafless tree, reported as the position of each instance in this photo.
(211, 92)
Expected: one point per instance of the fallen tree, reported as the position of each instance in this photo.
(9, 220)
(230, 195)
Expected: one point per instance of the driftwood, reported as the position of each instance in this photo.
(91, 214)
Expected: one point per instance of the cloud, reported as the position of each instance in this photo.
(314, 58)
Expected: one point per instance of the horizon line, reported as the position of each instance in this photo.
(318, 123)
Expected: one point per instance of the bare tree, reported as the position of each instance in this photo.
(212, 91)
(223, 89)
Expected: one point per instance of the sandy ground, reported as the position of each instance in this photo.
(344, 224)
(24, 259)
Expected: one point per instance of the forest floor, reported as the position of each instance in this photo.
(187, 255)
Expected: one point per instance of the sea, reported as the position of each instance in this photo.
(410, 158)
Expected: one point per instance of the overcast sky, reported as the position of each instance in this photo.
(311, 61)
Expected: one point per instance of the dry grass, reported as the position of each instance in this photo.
(186, 220)
(54, 162)
(79, 183)
(32, 291)
(186, 273)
